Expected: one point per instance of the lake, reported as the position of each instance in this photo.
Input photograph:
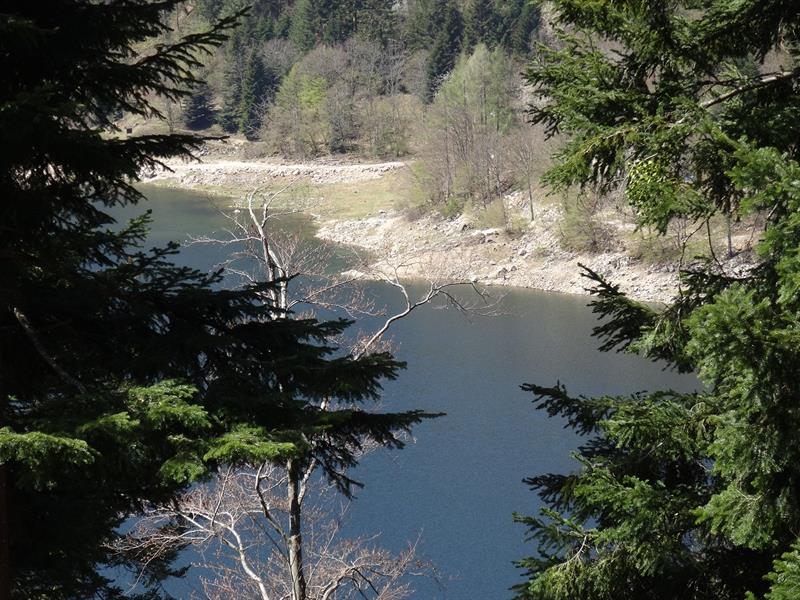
(457, 486)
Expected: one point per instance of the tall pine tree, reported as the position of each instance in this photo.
(197, 110)
(304, 24)
(692, 116)
(123, 377)
(257, 84)
(446, 47)
(423, 23)
(480, 24)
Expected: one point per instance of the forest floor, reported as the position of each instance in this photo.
(370, 206)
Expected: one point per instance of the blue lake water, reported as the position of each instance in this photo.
(457, 486)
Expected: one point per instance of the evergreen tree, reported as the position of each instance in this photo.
(232, 76)
(682, 495)
(336, 19)
(423, 23)
(256, 86)
(521, 29)
(518, 22)
(303, 30)
(123, 378)
(283, 23)
(197, 111)
(446, 47)
(376, 20)
(480, 24)
(509, 24)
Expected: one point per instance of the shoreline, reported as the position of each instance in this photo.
(356, 205)
(430, 247)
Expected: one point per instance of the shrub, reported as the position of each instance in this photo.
(580, 228)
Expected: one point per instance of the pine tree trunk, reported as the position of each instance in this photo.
(295, 533)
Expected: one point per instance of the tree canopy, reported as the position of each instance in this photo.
(123, 377)
(242, 76)
(690, 110)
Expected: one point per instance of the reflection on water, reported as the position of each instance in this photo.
(459, 484)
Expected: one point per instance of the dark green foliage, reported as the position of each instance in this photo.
(303, 30)
(377, 20)
(682, 495)
(257, 84)
(258, 10)
(423, 23)
(122, 376)
(248, 87)
(518, 20)
(233, 72)
(446, 47)
(480, 24)
(197, 110)
(505, 23)
(334, 21)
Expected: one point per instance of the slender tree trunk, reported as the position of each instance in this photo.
(530, 196)
(5, 571)
(295, 532)
(730, 234)
(447, 162)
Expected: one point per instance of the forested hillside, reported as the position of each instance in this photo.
(375, 79)
(336, 57)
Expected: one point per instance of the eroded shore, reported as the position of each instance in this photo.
(352, 205)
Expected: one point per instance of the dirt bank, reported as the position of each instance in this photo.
(356, 205)
(532, 258)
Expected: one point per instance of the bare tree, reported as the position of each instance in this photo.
(467, 122)
(527, 152)
(172, 114)
(303, 568)
(433, 288)
(241, 525)
(279, 54)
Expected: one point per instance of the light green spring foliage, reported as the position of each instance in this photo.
(470, 115)
(297, 120)
(480, 88)
(690, 110)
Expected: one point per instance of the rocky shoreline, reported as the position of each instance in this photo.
(433, 247)
(245, 175)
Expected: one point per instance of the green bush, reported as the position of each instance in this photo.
(580, 228)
